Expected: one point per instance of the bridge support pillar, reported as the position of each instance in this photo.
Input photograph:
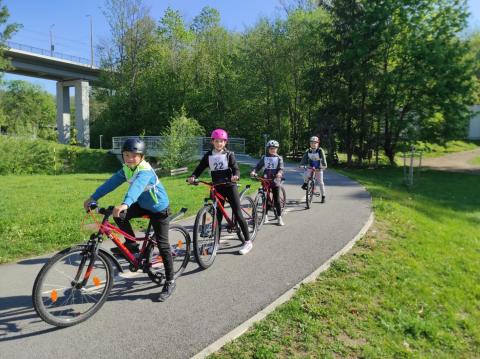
(82, 111)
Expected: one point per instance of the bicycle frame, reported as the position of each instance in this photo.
(217, 199)
(267, 189)
(110, 231)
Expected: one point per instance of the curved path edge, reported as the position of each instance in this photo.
(242, 328)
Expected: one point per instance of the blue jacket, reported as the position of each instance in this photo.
(145, 188)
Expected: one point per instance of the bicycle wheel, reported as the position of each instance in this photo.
(309, 193)
(72, 286)
(180, 247)
(247, 206)
(260, 209)
(206, 236)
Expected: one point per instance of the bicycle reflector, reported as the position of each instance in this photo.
(179, 244)
(53, 295)
(96, 281)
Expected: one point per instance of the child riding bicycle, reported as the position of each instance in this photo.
(273, 164)
(315, 158)
(146, 196)
(224, 169)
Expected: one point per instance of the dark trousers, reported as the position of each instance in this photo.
(276, 200)
(230, 192)
(160, 224)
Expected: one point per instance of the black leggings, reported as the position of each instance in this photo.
(276, 200)
(160, 224)
(230, 192)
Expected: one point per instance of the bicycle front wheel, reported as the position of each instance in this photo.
(180, 248)
(206, 237)
(247, 206)
(309, 193)
(72, 286)
(260, 209)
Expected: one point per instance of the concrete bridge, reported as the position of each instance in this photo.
(68, 71)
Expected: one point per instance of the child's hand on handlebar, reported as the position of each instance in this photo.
(253, 174)
(235, 178)
(86, 203)
(191, 179)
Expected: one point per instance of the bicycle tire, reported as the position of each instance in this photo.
(247, 206)
(43, 295)
(180, 248)
(260, 209)
(206, 226)
(309, 193)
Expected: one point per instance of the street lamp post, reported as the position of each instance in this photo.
(52, 46)
(91, 40)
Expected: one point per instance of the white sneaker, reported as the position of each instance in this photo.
(247, 247)
(266, 219)
(280, 221)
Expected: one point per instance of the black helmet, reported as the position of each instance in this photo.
(134, 145)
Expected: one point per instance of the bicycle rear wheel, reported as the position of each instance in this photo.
(180, 248)
(247, 206)
(260, 209)
(72, 286)
(206, 236)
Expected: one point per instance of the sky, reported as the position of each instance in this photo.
(69, 23)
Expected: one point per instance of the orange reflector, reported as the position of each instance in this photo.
(160, 259)
(205, 252)
(96, 281)
(54, 295)
(179, 243)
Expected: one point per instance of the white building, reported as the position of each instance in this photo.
(474, 127)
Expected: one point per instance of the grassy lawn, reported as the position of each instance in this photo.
(429, 150)
(475, 161)
(43, 213)
(409, 288)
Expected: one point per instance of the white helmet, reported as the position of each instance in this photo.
(314, 139)
(273, 143)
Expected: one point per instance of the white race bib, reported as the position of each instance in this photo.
(218, 162)
(271, 163)
(314, 156)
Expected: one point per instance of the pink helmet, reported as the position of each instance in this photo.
(219, 134)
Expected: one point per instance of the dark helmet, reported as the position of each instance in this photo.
(134, 145)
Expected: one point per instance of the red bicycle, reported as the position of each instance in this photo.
(206, 231)
(75, 283)
(264, 200)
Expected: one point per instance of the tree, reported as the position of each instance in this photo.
(28, 110)
(179, 144)
(5, 34)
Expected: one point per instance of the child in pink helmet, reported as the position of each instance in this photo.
(224, 169)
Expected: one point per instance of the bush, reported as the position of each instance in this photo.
(179, 145)
(28, 156)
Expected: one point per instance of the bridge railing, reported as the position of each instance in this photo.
(154, 144)
(44, 52)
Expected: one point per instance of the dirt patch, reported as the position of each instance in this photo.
(455, 162)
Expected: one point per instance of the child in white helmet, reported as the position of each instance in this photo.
(315, 158)
(273, 164)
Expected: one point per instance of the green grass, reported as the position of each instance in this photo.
(429, 150)
(43, 213)
(475, 161)
(409, 288)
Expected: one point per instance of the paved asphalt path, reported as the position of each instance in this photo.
(207, 304)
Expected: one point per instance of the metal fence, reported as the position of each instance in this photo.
(44, 52)
(154, 144)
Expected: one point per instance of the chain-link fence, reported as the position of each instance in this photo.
(153, 144)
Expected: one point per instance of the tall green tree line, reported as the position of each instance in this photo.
(367, 76)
